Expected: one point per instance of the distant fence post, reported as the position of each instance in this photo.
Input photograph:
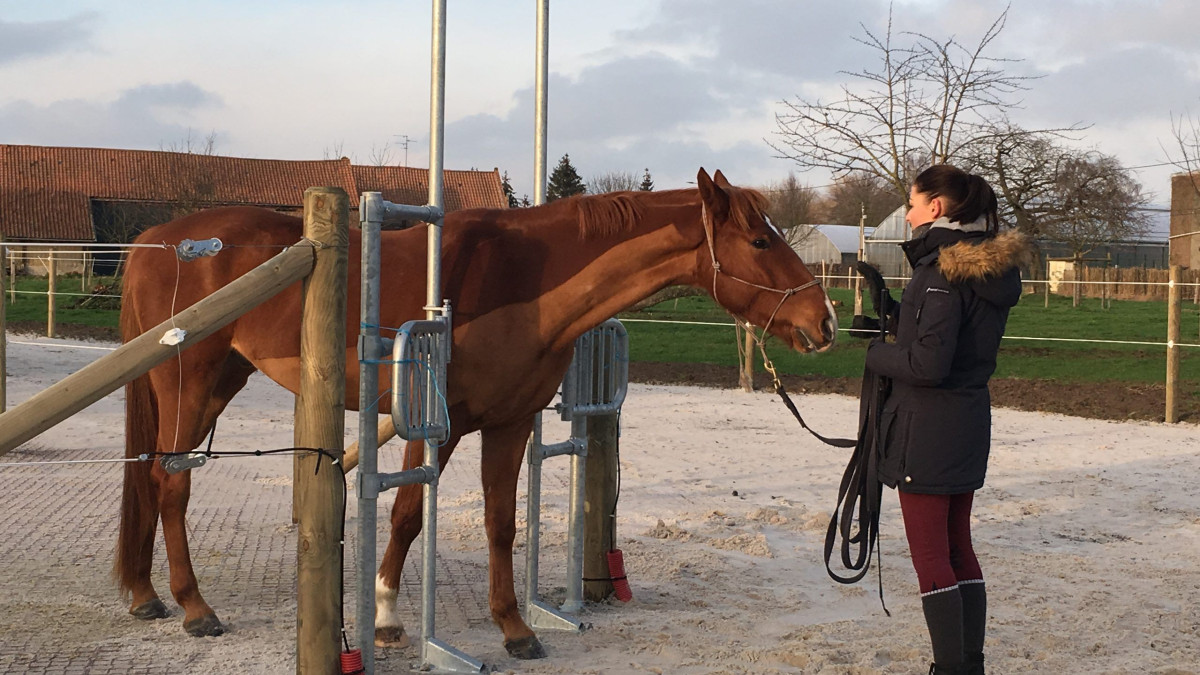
(318, 486)
(51, 279)
(1174, 308)
(3, 333)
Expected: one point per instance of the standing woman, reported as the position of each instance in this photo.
(936, 422)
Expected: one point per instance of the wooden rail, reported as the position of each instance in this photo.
(138, 356)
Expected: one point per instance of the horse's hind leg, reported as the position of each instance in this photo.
(503, 452)
(406, 525)
(214, 378)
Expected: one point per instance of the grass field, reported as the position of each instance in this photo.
(681, 343)
(1125, 320)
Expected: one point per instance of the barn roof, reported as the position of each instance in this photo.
(46, 192)
(408, 185)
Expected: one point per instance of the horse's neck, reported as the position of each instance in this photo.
(615, 272)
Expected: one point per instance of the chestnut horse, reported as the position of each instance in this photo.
(523, 284)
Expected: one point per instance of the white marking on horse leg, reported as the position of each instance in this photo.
(386, 615)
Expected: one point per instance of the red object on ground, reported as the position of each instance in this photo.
(352, 662)
(616, 570)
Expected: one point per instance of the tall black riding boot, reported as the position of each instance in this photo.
(974, 609)
(944, 618)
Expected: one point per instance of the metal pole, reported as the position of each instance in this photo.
(573, 603)
(541, 70)
(368, 387)
(433, 301)
(533, 514)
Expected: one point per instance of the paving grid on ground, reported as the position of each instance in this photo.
(60, 611)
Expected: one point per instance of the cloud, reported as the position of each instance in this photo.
(1115, 86)
(646, 111)
(149, 116)
(790, 40)
(26, 40)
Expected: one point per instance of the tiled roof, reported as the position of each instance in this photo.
(45, 192)
(147, 175)
(408, 185)
(46, 215)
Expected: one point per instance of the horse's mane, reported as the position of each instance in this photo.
(611, 213)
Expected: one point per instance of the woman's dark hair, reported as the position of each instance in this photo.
(968, 196)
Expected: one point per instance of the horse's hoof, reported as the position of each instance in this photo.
(391, 636)
(150, 610)
(205, 626)
(525, 648)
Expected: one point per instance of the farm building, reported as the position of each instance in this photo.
(830, 244)
(107, 195)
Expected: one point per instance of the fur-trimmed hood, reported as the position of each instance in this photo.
(989, 265)
(977, 260)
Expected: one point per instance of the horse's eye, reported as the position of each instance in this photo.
(761, 242)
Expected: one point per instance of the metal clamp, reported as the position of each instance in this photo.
(177, 463)
(189, 250)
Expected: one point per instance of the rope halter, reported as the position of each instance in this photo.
(706, 220)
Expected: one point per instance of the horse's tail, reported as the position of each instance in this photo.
(139, 507)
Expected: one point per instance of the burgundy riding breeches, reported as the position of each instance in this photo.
(939, 537)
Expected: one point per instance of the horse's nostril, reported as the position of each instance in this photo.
(828, 330)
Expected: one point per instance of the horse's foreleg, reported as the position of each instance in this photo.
(503, 452)
(406, 525)
(174, 491)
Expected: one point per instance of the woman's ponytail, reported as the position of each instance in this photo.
(968, 196)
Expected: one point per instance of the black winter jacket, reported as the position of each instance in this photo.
(936, 423)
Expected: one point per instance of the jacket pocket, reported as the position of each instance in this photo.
(894, 433)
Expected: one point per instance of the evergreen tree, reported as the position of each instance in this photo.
(509, 193)
(647, 184)
(564, 181)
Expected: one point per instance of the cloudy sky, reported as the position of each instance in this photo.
(669, 85)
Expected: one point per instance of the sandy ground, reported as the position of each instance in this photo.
(1088, 532)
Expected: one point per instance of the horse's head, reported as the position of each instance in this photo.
(754, 274)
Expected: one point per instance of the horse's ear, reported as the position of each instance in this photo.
(714, 198)
(720, 180)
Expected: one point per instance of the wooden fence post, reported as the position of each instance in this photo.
(746, 376)
(599, 503)
(51, 280)
(320, 422)
(1174, 307)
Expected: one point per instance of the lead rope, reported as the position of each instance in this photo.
(860, 493)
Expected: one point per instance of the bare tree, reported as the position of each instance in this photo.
(854, 192)
(613, 181)
(335, 151)
(1098, 202)
(1186, 132)
(381, 155)
(191, 183)
(926, 102)
(790, 205)
(1024, 167)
